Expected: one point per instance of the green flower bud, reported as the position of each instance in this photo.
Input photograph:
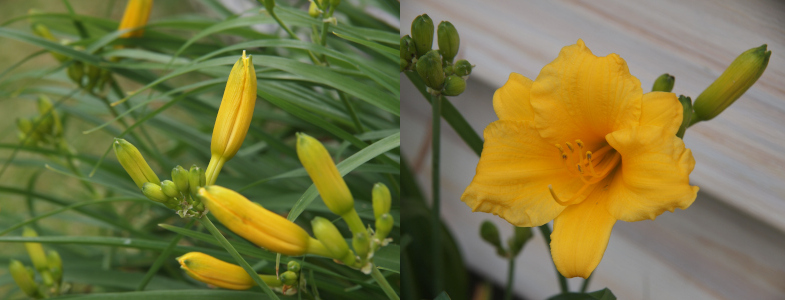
(335, 3)
(422, 34)
(75, 72)
(293, 266)
(384, 225)
(408, 50)
(381, 199)
(737, 79)
(313, 10)
(22, 279)
(361, 244)
(664, 83)
(430, 69)
(42, 31)
(45, 108)
(196, 179)
(448, 40)
(170, 189)
(686, 104)
(328, 234)
(154, 192)
(25, 126)
(93, 75)
(404, 64)
(180, 178)
(105, 77)
(55, 264)
(269, 5)
(490, 234)
(289, 278)
(133, 163)
(520, 237)
(35, 250)
(463, 68)
(454, 85)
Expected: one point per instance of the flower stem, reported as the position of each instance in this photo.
(546, 233)
(585, 284)
(436, 241)
(229, 248)
(386, 287)
(510, 275)
(161, 258)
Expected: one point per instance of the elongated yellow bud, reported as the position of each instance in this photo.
(737, 79)
(38, 257)
(211, 270)
(133, 163)
(136, 14)
(381, 199)
(258, 225)
(234, 116)
(321, 168)
(23, 279)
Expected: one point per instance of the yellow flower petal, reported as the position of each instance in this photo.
(513, 175)
(511, 101)
(654, 174)
(663, 110)
(208, 269)
(136, 14)
(582, 96)
(580, 235)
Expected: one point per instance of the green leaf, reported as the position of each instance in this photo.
(196, 294)
(388, 258)
(387, 51)
(442, 296)
(603, 294)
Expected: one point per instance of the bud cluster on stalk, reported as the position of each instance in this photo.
(437, 68)
(323, 8)
(44, 128)
(490, 234)
(337, 197)
(49, 266)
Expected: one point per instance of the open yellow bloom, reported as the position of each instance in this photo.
(136, 14)
(211, 270)
(258, 225)
(234, 116)
(583, 145)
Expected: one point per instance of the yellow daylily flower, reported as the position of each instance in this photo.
(211, 270)
(258, 225)
(234, 116)
(136, 14)
(583, 146)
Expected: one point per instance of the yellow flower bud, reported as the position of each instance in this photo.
(313, 10)
(384, 225)
(211, 270)
(381, 199)
(321, 168)
(55, 264)
(136, 14)
(737, 79)
(154, 192)
(35, 250)
(328, 234)
(234, 116)
(180, 178)
(258, 225)
(133, 163)
(170, 189)
(22, 279)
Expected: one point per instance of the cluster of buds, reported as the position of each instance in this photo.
(337, 197)
(45, 128)
(216, 272)
(437, 68)
(324, 8)
(49, 267)
(178, 194)
(515, 243)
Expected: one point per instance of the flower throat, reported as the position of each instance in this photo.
(582, 164)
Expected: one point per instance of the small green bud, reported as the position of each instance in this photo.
(381, 199)
(404, 64)
(22, 279)
(35, 250)
(105, 77)
(133, 163)
(664, 83)
(45, 108)
(25, 126)
(335, 3)
(154, 192)
(490, 234)
(170, 189)
(463, 68)
(293, 266)
(76, 71)
(289, 278)
(449, 70)
(686, 104)
(454, 85)
(93, 75)
(448, 40)
(326, 232)
(422, 34)
(361, 244)
(55, 264)
(269, 5)
(384, 225)
(430, 69)
(519, 238)
(180, 178)
(196, 179)
(313, 10)
(42, 31)
(737, 79)
(408, 50)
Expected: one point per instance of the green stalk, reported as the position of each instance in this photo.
(386, 287)
(510, 275)
(164, 255)
(229, 248)
(585, 284)
(546, 234)
(436, 241)
(352, 112)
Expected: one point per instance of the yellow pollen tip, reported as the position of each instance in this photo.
(579, 143)
(588, 156)
(579, 168)
(564, 156)
(569, 146)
